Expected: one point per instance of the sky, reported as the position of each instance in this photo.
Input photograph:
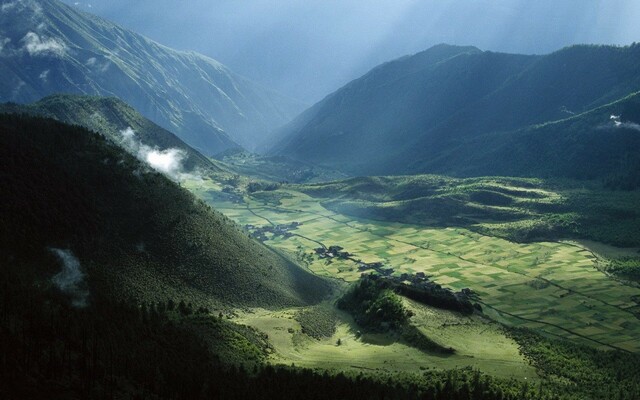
(307, 49)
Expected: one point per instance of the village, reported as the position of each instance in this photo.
(283, 230)
(417, 285)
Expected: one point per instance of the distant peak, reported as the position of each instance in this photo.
(446, 46)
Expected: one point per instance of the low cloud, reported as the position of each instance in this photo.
(629, 125)
(37, 45)
(619, 124)
(8, 6)
(4, 42)
(70, 280)
(17, 89)
(168, 161)
(44, 76)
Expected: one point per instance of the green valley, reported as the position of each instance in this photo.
(443, 222)
(552, 287)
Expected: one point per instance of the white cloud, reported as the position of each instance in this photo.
(90, 62)
(8, 6)
(36, 45)
(16, 91)
(628, 125)
(167, 161)
(618, 123)
(4, 42)
(44, 75)
(70, 279)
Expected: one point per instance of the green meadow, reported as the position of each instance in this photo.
(553, 288)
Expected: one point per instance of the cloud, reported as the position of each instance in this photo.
(8, 6)
(628, 125)
(70, 280)
(619, 124)
(36, 45)
(4, 42)
(44, 75)
(16, 90)
(168, 161)
(90, 62)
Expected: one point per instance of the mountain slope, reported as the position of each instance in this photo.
(136, 233)
(403, 114)
(49, 47)
(110, 117)
(590, 145)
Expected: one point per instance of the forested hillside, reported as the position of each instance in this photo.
(459, 110)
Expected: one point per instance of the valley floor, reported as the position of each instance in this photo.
(553, 288)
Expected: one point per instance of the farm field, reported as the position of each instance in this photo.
(553, 288)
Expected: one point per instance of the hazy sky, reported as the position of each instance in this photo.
(308, 48)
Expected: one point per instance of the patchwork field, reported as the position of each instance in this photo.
(551, 287)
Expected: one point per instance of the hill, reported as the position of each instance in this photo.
(518, 209)
(49, 47)
(411, 115)
(136, 234)
(111, 117)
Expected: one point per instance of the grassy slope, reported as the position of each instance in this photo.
(515, 208)
(135, 232)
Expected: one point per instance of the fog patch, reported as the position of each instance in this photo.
(16, 90)
(37, 45)
(4, 42)
(618, 123)
(44, 76)
(168, 161)
(6, 7)
(70, 280)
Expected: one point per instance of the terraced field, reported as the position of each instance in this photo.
(551, 287)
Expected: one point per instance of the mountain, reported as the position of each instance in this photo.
(603, 143)
(136, 234)
(410, 115)
(111, 117)
(48, 47)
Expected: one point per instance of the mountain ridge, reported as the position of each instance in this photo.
(50, 47)
(388, 119)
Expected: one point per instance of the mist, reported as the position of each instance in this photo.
(307, 49)
(70, 280)
(168, 161)
(618, 123)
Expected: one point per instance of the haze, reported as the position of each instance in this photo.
(307, 49)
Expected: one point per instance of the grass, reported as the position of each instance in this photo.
(575, 299)
(480, 343)
(518, 209)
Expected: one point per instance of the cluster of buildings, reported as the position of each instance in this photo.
(333, 252)
(283, 230)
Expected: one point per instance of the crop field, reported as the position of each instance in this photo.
(551, 287)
